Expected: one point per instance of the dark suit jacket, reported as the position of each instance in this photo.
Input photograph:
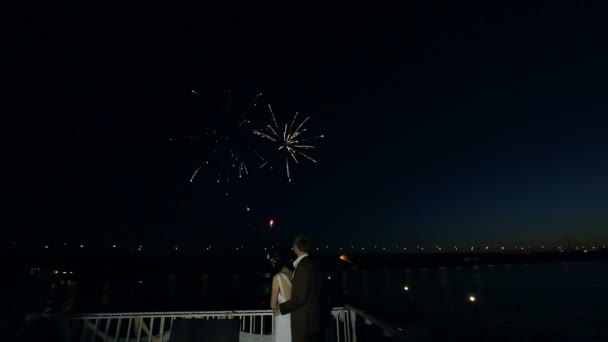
(304, 302)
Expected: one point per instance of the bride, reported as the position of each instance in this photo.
(281, 292)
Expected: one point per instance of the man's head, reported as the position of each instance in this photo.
(301, 245)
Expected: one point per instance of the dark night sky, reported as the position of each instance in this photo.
(445, 123)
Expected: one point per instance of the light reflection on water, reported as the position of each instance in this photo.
(567, 299)
(562, 299)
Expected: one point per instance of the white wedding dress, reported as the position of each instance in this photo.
(282, 323)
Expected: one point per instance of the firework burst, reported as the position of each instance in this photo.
(227, 139)
(290, 140)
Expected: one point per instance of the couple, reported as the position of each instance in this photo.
(295, 297)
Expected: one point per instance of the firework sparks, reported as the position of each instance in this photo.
(290, 141)
(226, 140)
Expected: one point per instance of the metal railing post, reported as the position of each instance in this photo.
(337, 319)
(129, 328)
(94, 330)
(118, 326)
(346, 331)
(262, 325)
(150, 333)
(353, 320)
(139, 327)
(107, 329)
(162, 329)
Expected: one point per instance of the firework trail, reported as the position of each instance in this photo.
(226, 140)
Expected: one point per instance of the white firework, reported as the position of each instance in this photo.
(290, 141)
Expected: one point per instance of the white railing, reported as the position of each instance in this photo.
(256, 325)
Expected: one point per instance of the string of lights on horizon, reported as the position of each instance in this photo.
(324, 248)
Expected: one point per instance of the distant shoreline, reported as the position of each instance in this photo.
(374, 261)
(258, 262)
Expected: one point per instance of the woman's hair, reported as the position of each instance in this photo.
(279, 261)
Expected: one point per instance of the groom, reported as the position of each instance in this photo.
(304, 302)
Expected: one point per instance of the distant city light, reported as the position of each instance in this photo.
(472, 298)
(503, 248)
(81, 246)
(113, 246)
(406, 288)
(46, 246)
(328, 277)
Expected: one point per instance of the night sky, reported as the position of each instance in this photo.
(444, 123)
